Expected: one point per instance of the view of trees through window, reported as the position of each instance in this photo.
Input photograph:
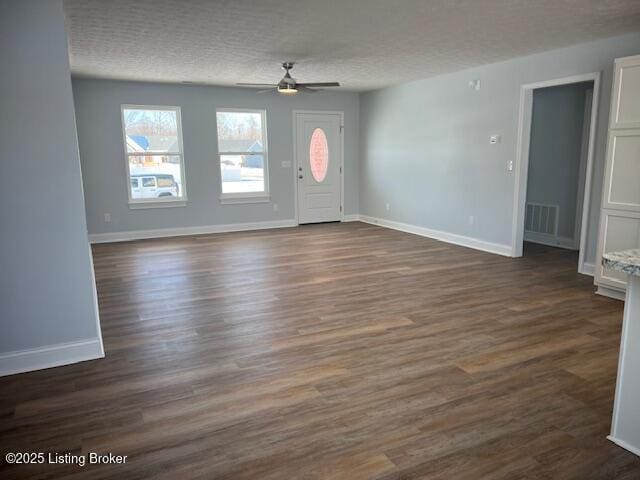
(154, 154)
(242, 151)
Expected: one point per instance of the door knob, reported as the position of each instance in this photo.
(300, 176)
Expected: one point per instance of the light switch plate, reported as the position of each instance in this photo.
(285, 164)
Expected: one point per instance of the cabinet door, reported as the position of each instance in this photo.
(622, 176)
(625, 98)
(618, 231)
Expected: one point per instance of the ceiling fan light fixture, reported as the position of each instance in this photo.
(287, 89)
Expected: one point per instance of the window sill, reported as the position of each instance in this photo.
(238, 199)
(158, 204)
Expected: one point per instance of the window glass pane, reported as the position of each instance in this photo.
(318, 155)
(151, 130)
(242, 173)
(148, 181)
(240, 132)
(155, 176)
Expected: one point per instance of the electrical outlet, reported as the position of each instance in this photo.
(275, 207)
(510, 166)
(285, 163)
(107, 217)
(475, 84)
(493, 139)
(388, 207)
(472, 219)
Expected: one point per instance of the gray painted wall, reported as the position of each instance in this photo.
(555, 150)
(104, 169)
(425, 145)
(46, 281)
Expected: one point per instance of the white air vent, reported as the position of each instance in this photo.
(541, 218)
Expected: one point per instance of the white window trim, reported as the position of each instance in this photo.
(247, 197)
(160, 202)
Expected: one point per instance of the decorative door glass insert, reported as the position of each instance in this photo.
(318, 155)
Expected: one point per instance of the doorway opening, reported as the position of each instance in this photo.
(554, 168)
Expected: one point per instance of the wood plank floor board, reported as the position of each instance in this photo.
(334, 351)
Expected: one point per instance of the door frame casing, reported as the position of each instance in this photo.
(582, 173)
(522, 160)
(295, 113)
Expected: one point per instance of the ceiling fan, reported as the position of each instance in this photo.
(289, 86)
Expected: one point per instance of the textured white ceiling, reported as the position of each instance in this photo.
(364, 44)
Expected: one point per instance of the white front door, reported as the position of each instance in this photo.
(318, 166)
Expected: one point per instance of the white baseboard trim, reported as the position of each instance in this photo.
(182, 231)
(610, 292)
(50, 356)
(625, 445)
(550, 240)
(453, 238)
(354, 217)
(588, 269)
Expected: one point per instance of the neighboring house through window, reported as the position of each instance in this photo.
(242, 153)
(153, 149)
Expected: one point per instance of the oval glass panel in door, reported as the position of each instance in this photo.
(318, 155)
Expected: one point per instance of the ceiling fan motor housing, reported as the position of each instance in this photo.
(287, 80)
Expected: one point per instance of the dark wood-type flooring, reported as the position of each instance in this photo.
(331, 351)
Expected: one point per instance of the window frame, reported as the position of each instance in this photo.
(158, 201)
(246, 197)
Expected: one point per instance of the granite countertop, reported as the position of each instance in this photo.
(626, 261)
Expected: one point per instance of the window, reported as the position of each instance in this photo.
(153, 147)
(318, 155)
(149, 182)
(242, 152)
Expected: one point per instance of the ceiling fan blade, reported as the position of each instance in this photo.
(265, 91)
(319, 84)
(257, 84)
(306, 89)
